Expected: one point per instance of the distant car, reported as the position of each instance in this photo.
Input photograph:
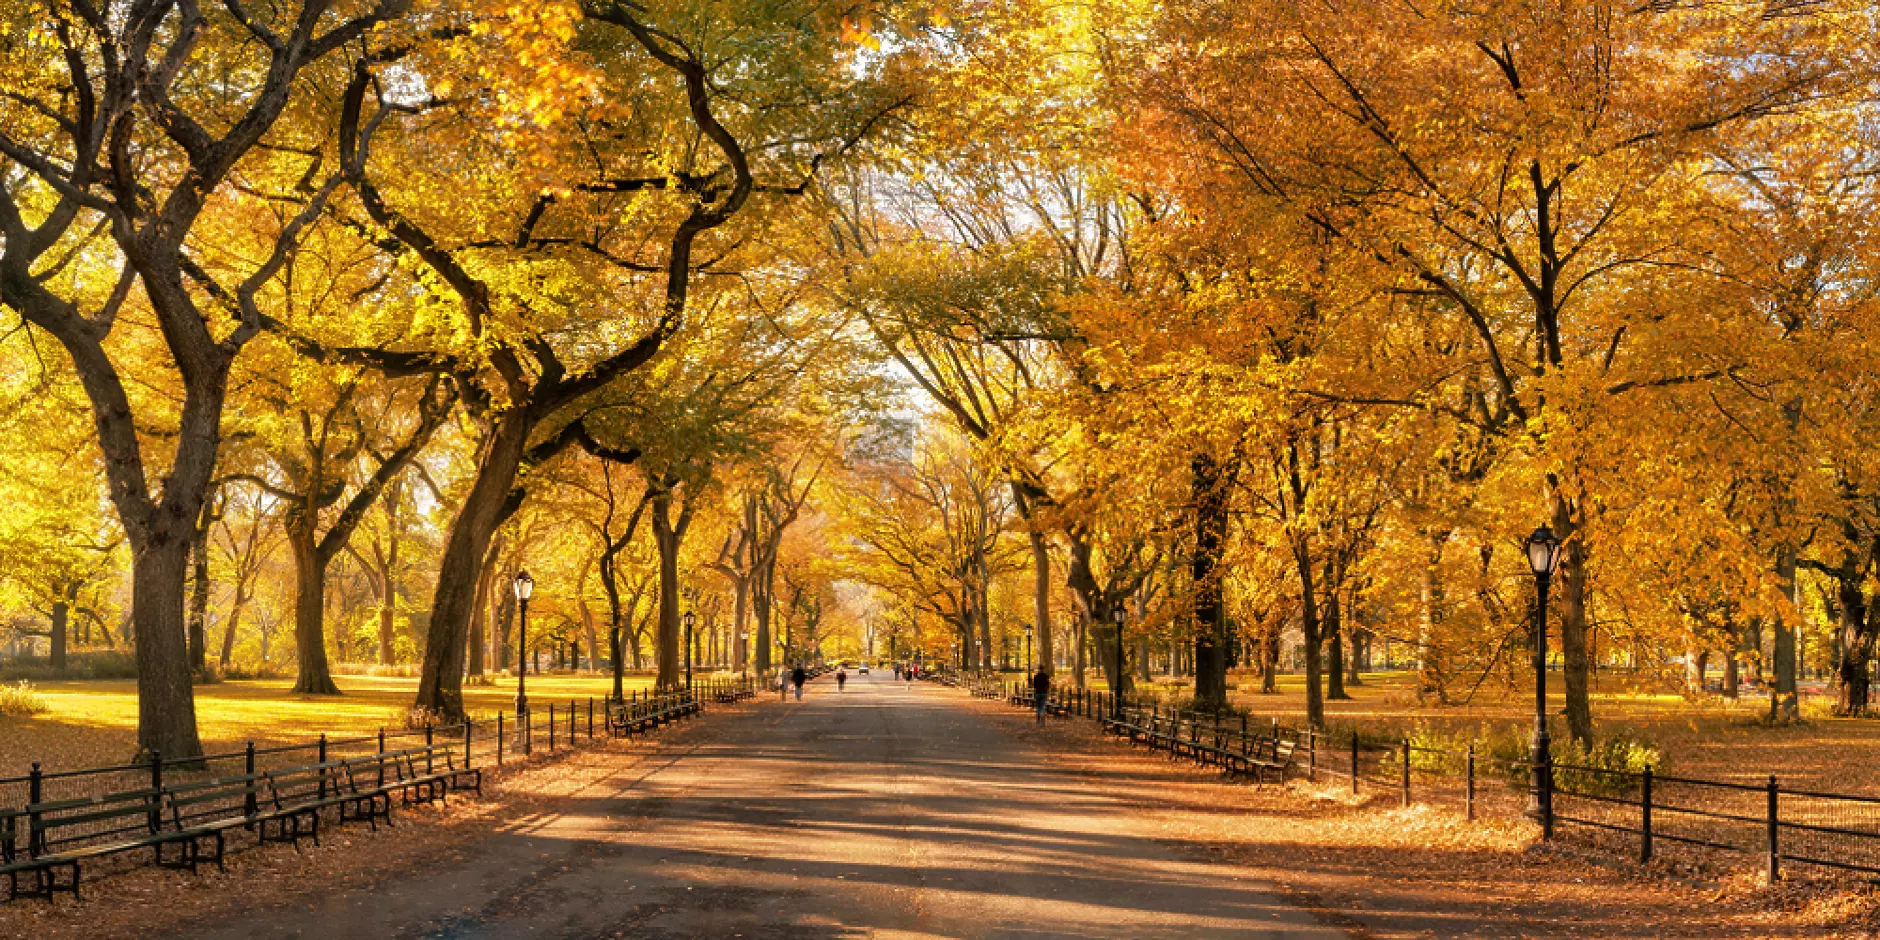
(863, 670)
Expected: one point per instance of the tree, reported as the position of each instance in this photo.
(118, 134)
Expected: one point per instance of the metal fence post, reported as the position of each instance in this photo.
(430, 742)
(551, 727)
(573, 727)
(322, 762)
(35, 795)
(499, 739)
(468, 742)
(248, 802)
(155, 818)
(1468, 792)
(1775, 833)
(1354, 762)
(1312, 755)
(1406, 770)
(381, 758)
(1645, 816)
(525, 723)
(590, 718)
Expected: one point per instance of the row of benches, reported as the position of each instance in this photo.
(1255, 755)
(640, 716)
(184, 824)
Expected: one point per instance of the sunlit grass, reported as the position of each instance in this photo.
(95, 722)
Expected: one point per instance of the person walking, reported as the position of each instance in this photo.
(1040, 692)
(842, 678)
(797, 678)
(783, 685)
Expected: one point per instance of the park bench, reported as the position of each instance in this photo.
(65, 834)
(1273, 755)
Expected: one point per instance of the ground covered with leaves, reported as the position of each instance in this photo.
(1379, 870)
(350, 860)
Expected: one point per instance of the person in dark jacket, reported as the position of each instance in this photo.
(797, 678)
(1040, 692)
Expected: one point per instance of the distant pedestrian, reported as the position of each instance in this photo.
(842, 678)
(797, 678)
(783, 685)
(1040, 692)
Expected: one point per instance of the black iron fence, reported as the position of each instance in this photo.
(1641, 812)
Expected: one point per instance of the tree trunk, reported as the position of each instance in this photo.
(1041, 598)
(478, 654)
(234, 620)
(1360, 655)
(1335, 647)
(1784, 707)
(199, 593)
(388, 586)
(1082, 626)
(1309, 625)
(1269, 660)
(440, 684)
(763, 590)
(166, 703)
(309, 611)
(1570, 584)
(666, 536)
(63, 593)
(1732, 671)
(1855, 634)
(1210, 534)
(1429, 663)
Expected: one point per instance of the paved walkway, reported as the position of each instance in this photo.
(882, 811)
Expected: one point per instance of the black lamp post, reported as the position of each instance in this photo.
(744, 652)
(690, 617)
(1028, 649)
(525, 586)
(1543, 552)
(1116, 694)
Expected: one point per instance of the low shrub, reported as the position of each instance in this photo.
(87, 664)
(21, 700)
(1608, 768)
(250, 671)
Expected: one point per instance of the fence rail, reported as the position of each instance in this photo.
(1645, 813)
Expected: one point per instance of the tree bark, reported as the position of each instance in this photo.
(1210, 535)
(1334, 628)
(56, 633)
(166, 705)
(1855, 633)
(315, 677)
(440, 684)
(1309, 626)
(1570, 585)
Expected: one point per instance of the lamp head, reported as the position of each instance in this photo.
(1543, 551)
(525, 585)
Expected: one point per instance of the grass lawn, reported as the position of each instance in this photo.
(95, 723)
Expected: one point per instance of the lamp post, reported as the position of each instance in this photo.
(1116, 694)
(744, 652)
(525, 586)
(690, 617)
(1028, 649)
(1543, 551)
